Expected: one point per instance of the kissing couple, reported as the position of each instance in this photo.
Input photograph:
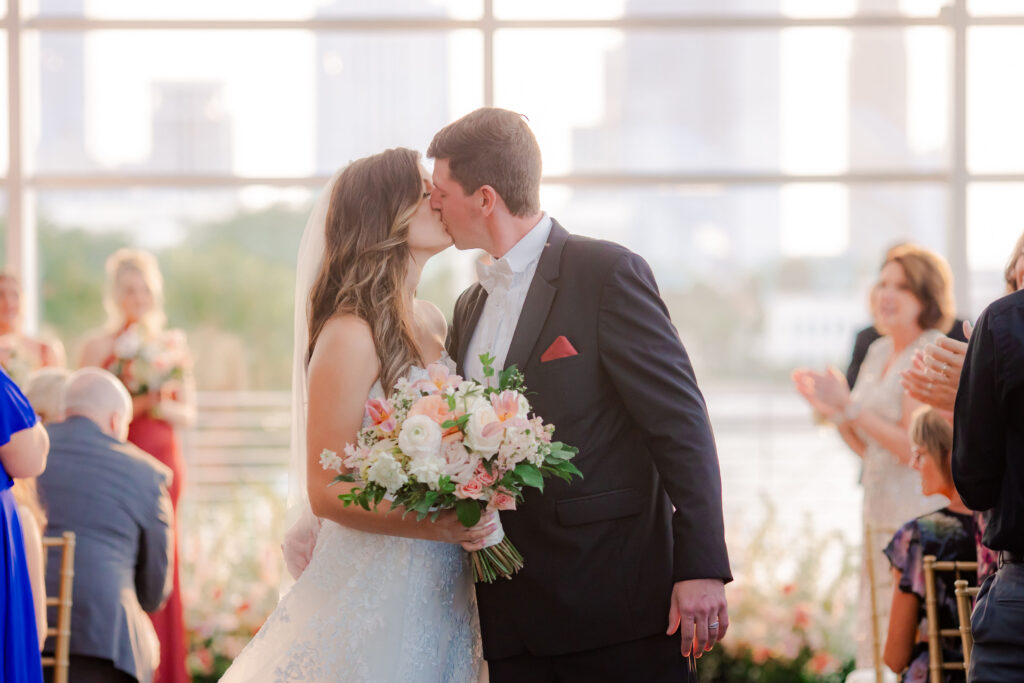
(625, 568)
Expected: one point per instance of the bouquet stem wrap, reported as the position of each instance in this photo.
(497, 559)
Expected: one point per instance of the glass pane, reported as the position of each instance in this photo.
(994, 7)
(258, 9)
(995, 57)
(993, 228)
(4, 107)
(787, 265)
(260, 103)
(614, 9)
(814, 100)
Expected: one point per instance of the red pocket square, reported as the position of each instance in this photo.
(560, 348)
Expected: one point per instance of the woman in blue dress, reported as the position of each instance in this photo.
(23, 449)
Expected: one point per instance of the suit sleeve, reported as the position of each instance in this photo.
(153, 578)
(979, 446)
(642, 354)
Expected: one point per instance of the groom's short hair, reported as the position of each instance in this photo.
(495, 147)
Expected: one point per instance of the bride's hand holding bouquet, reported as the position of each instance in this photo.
(441, 444)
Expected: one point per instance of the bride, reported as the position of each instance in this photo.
(383, 598)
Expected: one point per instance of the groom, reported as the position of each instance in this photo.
(625, 569)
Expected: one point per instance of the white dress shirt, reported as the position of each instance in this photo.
(507, 281)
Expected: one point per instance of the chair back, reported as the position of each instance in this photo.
(62, 632)
(965, 597)
(935, 664)
(871, 533)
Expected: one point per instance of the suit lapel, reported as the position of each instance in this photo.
(538, 299)
(476, 307)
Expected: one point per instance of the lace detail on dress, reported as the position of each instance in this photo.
(371, 608)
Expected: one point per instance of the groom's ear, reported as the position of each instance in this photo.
(489, 199)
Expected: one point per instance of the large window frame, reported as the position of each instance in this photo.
(20, 182)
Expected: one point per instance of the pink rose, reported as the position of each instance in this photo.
(502, 501)
(471, 489)
(486, 480)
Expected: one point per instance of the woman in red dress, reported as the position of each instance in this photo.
(155, 365)
(21, 354)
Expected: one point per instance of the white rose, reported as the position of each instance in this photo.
(524, 407)
(387, 472)
(127, 344)
(475, 439)
(420, 437)
(469, 397)
(461, 464)
(427, 470)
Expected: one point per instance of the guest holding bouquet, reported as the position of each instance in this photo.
(155, 366)
(20, 354)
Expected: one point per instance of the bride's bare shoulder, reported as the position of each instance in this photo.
(345, 338)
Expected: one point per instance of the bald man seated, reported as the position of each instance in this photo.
(115, 498)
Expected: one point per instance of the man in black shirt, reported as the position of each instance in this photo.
(988, 468)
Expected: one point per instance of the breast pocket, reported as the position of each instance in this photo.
(599, 507)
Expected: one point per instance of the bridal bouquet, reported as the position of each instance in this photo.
(145, 363)
(442, 443)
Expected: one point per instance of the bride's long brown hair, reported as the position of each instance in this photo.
(366, 256)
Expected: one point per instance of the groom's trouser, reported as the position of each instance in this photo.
(998, 626)
(652, 660)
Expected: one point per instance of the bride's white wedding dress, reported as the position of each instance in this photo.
(371, 608)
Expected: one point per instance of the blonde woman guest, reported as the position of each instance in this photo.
(915, 301)
(155, 365)
(948, 534)
(45, 391)
(20, 354)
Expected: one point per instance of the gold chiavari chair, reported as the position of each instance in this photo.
(965, 597)
(62, 632)
(871, 549)
(935, 664)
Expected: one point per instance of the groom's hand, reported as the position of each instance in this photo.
(699, 608)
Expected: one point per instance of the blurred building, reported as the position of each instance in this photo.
(192, 132)
(367, 97)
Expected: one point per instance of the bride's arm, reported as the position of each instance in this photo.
(342, 370)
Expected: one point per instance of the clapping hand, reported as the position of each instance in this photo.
(826, 391)
(934, 375)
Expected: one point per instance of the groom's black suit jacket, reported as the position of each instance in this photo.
(602, 554)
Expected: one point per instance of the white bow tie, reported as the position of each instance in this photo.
(497, 275)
